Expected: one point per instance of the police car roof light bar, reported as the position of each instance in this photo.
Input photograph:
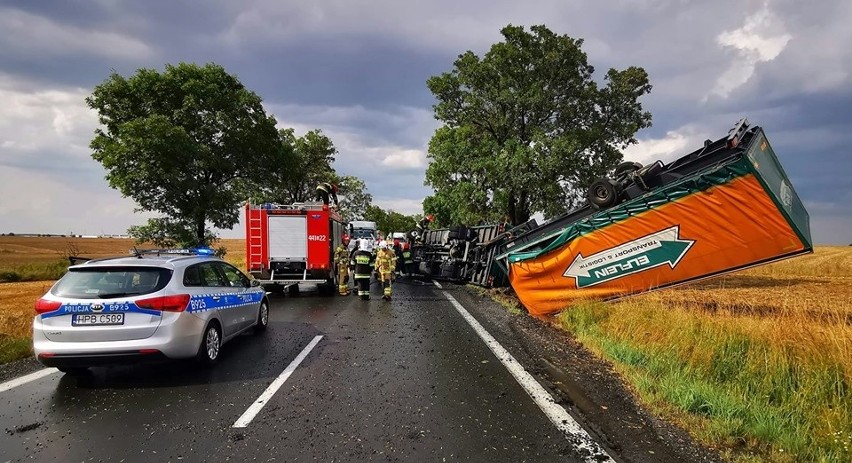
(183, 252)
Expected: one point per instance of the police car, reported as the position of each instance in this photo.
(153, 305)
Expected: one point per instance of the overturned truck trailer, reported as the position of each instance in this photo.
(724, 207)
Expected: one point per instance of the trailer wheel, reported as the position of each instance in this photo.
(603, 193)
(626, 168)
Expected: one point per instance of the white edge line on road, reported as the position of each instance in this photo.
(438, 285)
(555, 412)
(270, 391)
(26, 379)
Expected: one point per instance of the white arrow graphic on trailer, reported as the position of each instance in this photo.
(647, 252)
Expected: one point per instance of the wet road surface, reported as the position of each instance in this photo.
(407, 380)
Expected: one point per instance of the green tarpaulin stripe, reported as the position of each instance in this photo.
(718, 176)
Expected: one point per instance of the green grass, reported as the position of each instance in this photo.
(12, 349)
(34, 272)
(756, 399)
(500, 296)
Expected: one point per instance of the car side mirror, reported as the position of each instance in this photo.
(254, 283)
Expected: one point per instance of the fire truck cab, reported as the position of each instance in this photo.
(289, 244)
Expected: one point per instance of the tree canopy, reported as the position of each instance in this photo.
(302, 163)
(181, 143)
(355, 201)
(526, 128)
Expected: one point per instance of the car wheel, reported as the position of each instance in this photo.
(211, 344)
(262, 318)
(74, 371)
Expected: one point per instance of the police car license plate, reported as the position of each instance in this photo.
(89, 319)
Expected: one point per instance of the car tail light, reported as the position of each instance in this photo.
(44, 305)
(176, 303)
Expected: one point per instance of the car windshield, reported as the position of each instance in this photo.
(111, 282)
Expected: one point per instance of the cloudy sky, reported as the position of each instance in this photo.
(357, 70)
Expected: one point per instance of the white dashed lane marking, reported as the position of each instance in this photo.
(270, 391)
(26, 379)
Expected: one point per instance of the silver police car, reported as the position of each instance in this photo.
(155, 305)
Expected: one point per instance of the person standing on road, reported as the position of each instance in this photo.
(362, 259)
(400, 262)
(407, 263)
(385, 266)
(341, 261)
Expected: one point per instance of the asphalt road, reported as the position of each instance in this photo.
(407, 380)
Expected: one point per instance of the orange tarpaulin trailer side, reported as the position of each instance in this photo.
(735, 216)
(691, 239)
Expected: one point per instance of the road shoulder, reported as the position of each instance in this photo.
(587, 385)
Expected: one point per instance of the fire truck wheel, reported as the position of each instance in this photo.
(327, 288)
(275, 289)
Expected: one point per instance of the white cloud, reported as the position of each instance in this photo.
(675, 144)
(403, 206)
(28, 33)
(405, 159)
(761, 38)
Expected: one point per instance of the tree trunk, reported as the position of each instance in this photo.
(199, 231)
(522, 211)
(511, 211)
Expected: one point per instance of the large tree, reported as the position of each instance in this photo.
(301, 164)
(526, 128)
(180, 143)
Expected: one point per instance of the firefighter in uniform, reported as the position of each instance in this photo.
(407, 262)
(385, 266)
(362, 259)
(326, 191)
(341, 260)
(422, 225)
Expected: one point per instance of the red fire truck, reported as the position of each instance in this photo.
(288, 244)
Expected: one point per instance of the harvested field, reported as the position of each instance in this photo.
(35, 254)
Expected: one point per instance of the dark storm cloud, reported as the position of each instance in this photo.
(330, 72)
